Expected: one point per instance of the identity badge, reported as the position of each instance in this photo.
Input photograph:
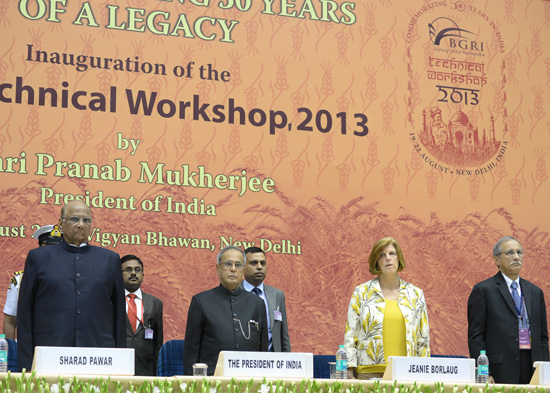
(524, 339)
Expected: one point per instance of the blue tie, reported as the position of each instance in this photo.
(515, 295)
(257, 291)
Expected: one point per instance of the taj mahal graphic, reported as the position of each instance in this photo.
(458, 141)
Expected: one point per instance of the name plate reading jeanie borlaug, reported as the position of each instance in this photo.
(264, 364)
(430, 369)
(71, 360)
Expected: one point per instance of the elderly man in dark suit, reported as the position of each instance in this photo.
(225, 318)
(72, 294)
(144, 327)
(507, 318)
(255, 272)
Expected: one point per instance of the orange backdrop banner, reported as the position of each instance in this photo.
(310, 128)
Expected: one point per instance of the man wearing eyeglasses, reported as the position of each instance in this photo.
(72, 294)
(144, 329)
(225, 318)
(507, 318)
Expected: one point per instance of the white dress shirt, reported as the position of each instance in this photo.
(249, 287)
(139, 305)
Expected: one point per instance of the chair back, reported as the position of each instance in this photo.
(321, 368)
(170, 359)
(13, 363)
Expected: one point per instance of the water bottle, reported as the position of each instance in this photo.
(341, 363)
(3, 354)
(482, 368)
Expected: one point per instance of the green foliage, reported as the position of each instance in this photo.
(30, 383)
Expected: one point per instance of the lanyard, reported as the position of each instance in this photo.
(521, 303)
(520, 311)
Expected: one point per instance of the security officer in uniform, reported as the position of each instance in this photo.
(46, 235)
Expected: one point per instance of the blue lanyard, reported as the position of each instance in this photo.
(520, 309)
(521, 320)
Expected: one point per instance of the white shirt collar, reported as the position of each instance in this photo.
(249, 287)
(137, 293)
(81, 245)
(509, 282)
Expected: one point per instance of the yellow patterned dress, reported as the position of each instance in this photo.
(364, 341)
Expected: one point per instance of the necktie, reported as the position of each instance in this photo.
(132, 311)
(515, 295)
(257, 291)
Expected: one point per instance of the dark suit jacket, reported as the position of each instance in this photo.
(493, 326)
(147, 350)
(70, 297)
(218, 320)
(279, 329)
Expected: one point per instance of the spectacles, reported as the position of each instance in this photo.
(129, 270)
(75, 220)
(511, 253)
(229, 265)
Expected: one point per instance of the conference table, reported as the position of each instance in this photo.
(31, 382)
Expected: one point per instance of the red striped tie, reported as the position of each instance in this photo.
(132, 311)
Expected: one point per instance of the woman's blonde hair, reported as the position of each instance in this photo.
(377, 250)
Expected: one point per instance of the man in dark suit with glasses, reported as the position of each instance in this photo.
(144, 326)
(225, 318)
(507, 318)
(72, 293)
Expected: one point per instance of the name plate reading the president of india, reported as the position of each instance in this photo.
(404, 368)
(264, 364)
(72, 360)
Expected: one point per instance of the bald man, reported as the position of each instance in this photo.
(72, 294)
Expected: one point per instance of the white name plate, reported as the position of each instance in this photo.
(72, 360)
(264, 364)
(430, 369)
(542, 374)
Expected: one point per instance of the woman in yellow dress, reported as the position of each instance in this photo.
(386, 316)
